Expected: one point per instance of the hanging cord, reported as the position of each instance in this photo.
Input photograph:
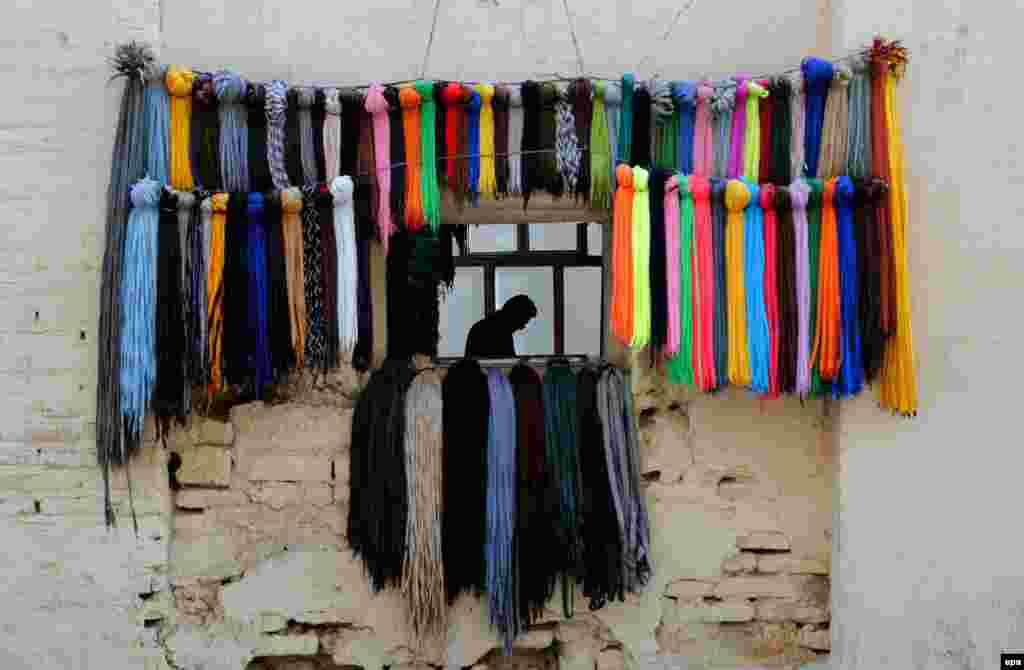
(622, 256)
(673, 261)
(737, 142)
(234, 127)
(685, 93)
(291, 231)
(797, 124)
(581, 98)
(625, 142)
(799, 192)
(377, 106)
(827, 343)
(785, 272)
(704, 289)
(157, 111)
(259, 325)
(771, 284)
(567, 146)
(515, 138)
(277, 113)
(752, 141)
(410, 101)
(488, 179)
(681, 366)
(138, 290)
(737, 197)
(600, 152)
(473, 132)
(501, 503)
(342, 189)
(818, 75)
(179, 86)
(718, 222)
(641, 224)
(431, 192)
(835, 129)
(332, 130)
(305, 97)
(851, 373)
(423, 572)
(757, 315)
(613, 114)
(858, 156)
(723, 106)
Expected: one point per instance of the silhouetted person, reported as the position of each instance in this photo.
(491, 337)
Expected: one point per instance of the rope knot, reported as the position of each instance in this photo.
(486, 92)
(672, 185)
(305, 96)
(256, 96)
(844, 192)
(818, 74)
(718, 190)
(767, 197)
(737, 195)
(755, 89)
(782, 199)
(291, 200)
(277, 101)
(624, 176)
(376, 103)
(684, 186)
(220, 202)
(722, 101)
(342, 189)
(515, 96)
(877, 189)
(332, 101)
(798, 192)
(207, 206)
(202, 91)
(612, 94)
(662, 100)
(179, 81)
(474, 101)
(641, 177)
(254, 204)
(409, 98)
(230, 87)
(454, 94)
(501, 98)
(700, 187)
(425, 88)
(146, 193)
(186, 200)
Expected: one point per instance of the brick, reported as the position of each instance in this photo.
(764, 541)
(756, 586)
(726, 611)
(270, 622)
(205, 498)
(205, 466)
(690, 589)
(290, 467)
(287, 645)
(773, 563)
(208, 431)
(739, 563)
(779, 611)
(320, 495)
(275, 495)
(818, 640)
(611, 659)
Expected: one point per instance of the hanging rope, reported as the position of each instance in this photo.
(757, 316)
(641, 240)
(673, 262)
(305, 96)
(681, 366)
(600, 156)
(771, 284)
(567, 146)
(410, 101)
(501, 504)
(799, 192)
(828, 339)
(752, 141)
(706, 272)
(835, 129)
(797, 133)
(429, 188)
(291, 230)
(723, 106)
(737, 142)
(622, 256)
(377, 106)
(737, 197)
(179, 86)
(782, 129)
(625, 143)
(234, 143)
(138, 323)
(818, 75)
(858, 156)
(658, 287)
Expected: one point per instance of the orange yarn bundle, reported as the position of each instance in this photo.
(409, 98)
(622, 256)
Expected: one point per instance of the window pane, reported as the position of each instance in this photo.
(460, 309)
(583, 311)
(595, 234)
(490, 239)
(552, 237)
(538, 338)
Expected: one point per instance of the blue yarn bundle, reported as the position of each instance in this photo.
(231, 92)
(501, 508)
(138, 318)
(757, 315)
(256, 265)
(473, 131)
(818, 74)
(851, 371)
(157, 119)
(625, 142)
(685, 93)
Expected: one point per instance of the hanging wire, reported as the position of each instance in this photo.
(430, 40)
(572, 34)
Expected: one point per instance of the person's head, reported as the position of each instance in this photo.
(519, 309)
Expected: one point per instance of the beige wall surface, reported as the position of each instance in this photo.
(927, 571)
(731, 481)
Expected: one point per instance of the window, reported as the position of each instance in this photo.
(559, 265)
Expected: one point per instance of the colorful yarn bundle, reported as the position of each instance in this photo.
(259, 294)
(673, 275)
(625, 134)
(473, 108)
(786, 278)
(487, 180)
(567, 146)
(179, 86)
(378, 106)
(757, 314)
(410, 101)
(851, 372)
(681, 366)
(291, 232)
(601, 190)
(686, 96)
(704, 285)
(613, 119)
(342, 188)
(623, 275)
(515, 137)
(752, 141)
(429, 188)
(799, 192)
(835, 127)
(641, 242)
(501, 509)
(828, 334)
(234, 129)
(738, 135)
(737, 198)
(817, 78)
(771, 284)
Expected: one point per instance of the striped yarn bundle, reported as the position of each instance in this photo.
(305, 97)
(277, 114)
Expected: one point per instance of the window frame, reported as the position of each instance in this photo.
(524, 257)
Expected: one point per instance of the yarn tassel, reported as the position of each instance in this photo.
(641, 240)
(330, 276)
(206, 134)
(567, 148)
(515, 139)
(318, 118)
(785, 273)
(737, 143)
(293, 139)
(396, 121)
(752, 141)
(797, 127)
(157, 109)
(305, 97)
(429, 189)
(234, 143)
(167, 400)
(600, 152)
(782, 131)
(721, 342)
(179, 86)
(282, 357)
(312, 266)
(488, 180)
(581, 99)
(666, 126)
(640, 144)
(256, 118)
(828, 338)
(550, 177)
(814, 216)
(858, 156)
(771, 284)
(377, 106)
(818, 75)
(658, 286)
(277, 112)
(673, 264)
(685, 93)
(613, 118)
(198, 224)
(215, 288)
(757, 315)
(473, 133)
(622, 256)
(869, 262)
(259, 328)
(501, 96)
(799, 192)
(501, 508)
(625, 143)
(680, 367)
(737, 198)
(766, 112)
(291, 230)
(352, 115)
(238, 351)
(342, 189)
(835, 128)
(723, 110)
(410, 101)
(704, 288)
(138, 321)
(851, 371)
(704, 143)
(332, 132)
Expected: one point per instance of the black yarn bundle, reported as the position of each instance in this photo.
(281, 353)
(413, 288)
(293, 140)
(379, 506)
(205, 141)
(641, 142)
(169, 392)
(238, 343)
(464, 463)
(658, 264)
(259, 167)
